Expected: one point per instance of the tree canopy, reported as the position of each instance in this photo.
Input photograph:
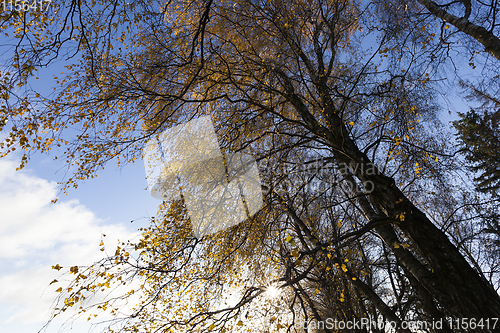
(368, 212)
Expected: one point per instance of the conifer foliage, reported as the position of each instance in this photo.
(479, 135)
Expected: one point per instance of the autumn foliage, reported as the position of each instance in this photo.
(365, 213)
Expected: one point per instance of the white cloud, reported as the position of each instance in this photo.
(35, 234)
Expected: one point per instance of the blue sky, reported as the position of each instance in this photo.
(36, 234)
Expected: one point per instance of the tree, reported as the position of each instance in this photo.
(480, 137)
(477, 22)
(352, 225)
(483, 27)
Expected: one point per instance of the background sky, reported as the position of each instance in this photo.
(35, 234)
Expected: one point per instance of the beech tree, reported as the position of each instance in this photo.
(336, 99)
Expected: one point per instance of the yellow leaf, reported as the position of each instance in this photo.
(351, 123)
(446, 26)
(240, 323)
(59, 290)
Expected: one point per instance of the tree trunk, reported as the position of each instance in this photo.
(448, 276)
